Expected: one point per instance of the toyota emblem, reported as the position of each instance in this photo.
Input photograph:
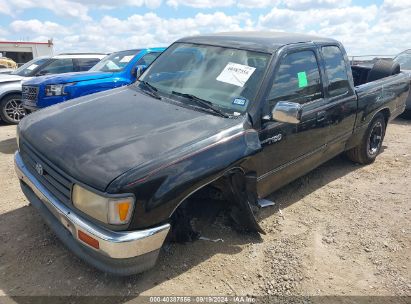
(39, 169)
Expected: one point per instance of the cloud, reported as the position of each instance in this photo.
(36, 27)
(302, 5)
(3, 32)
(113, 34)
(374, 28)
(250, 4)
(362, 30)
(200, 3)
(63, 8)
(112, 4)
(165, 31)
(301, 20)
(257, 3)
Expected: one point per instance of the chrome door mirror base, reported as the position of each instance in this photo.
(289, 112)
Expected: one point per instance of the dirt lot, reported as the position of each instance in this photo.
(343, 229)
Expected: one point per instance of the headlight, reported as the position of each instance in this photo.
(114, 211)
(57, 89)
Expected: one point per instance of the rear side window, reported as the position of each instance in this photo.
(335, 70)
(297, 79)
(85, 64)
(58, 66)
(147, 59)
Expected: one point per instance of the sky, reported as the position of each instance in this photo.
(364, 27)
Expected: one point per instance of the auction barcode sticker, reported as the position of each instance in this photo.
(236, 74)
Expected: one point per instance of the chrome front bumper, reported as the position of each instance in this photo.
(112, 244)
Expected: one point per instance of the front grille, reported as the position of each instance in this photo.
(58, 183)
(29, 93)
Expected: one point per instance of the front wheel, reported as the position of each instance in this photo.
(366, 152)
(11, 109)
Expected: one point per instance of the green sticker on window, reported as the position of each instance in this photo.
(302, 80)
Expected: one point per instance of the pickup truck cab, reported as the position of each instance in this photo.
(11, 108)
(229, 117)
(404, 59)
(116, 70)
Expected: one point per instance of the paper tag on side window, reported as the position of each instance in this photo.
(236, 74)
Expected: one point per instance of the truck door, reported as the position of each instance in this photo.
(290, 150)
(341, 106)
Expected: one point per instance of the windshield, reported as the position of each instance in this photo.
(27, 68)
(404, 59)
(227, 78)
(115, 62)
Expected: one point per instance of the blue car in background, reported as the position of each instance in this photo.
(115, 70)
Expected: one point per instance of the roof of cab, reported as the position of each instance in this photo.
(77, 56)
(256, 41)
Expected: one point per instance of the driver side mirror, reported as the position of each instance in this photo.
(138, 70)
(289, 112)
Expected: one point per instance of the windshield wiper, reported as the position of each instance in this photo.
(152, 90)
(204, 103)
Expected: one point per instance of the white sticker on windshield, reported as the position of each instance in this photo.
(126, 58)
(236, 74)
(32, 67)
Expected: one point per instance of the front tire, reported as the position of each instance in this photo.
(366, 152)
(11, 109)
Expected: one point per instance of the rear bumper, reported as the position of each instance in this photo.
(119, 252)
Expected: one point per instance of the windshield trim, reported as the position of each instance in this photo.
(222, 46)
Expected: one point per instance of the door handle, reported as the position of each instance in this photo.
(321, 116)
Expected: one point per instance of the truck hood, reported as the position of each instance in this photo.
(96, 138)
(10, 78)
(68, 77)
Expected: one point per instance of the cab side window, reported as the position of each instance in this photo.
(335, 70)
(147, 59)
(58, 66)
(85, 64)
(297, 79)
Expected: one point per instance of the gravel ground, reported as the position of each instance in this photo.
(343, 229)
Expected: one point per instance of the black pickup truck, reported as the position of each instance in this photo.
(230, 116)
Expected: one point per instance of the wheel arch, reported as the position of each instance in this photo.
(239, 189)
(208, 183)
(8, 93)
(386, 113)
